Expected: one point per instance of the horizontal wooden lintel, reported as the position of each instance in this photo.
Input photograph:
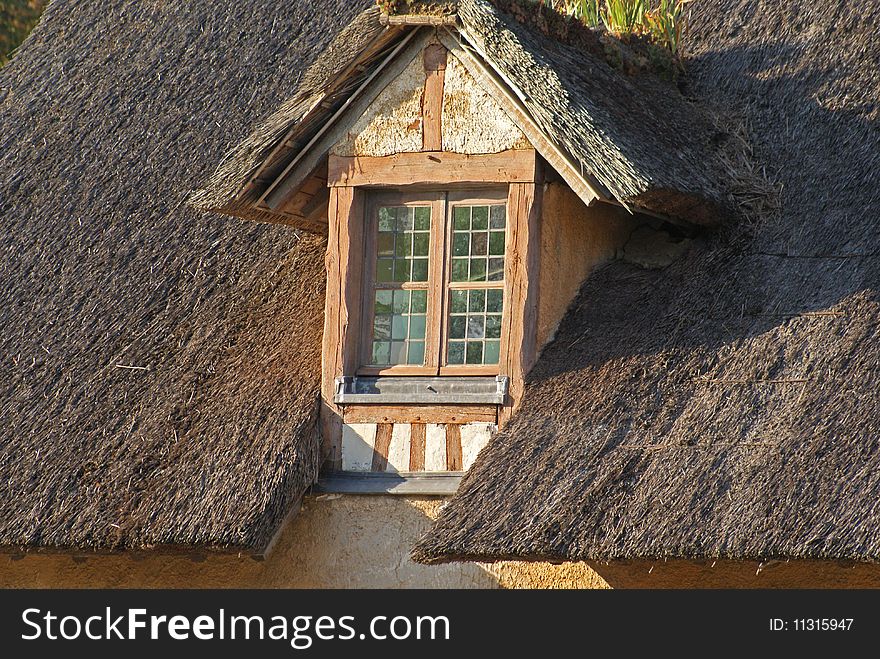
(432, 168)
(420, 414)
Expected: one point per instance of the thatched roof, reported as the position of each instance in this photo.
(160, 365)
(635, 137)
(728, 406)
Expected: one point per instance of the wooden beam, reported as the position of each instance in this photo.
(584, 186)
(418, 19)
(420, 413)
(453, 448)
(432, 168)
(382, 446)
(336, 126)
(432, 98)
(418, 437)
(519, 321)
(342, 306)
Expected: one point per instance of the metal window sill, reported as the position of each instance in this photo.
(399, 390)
(441, 483)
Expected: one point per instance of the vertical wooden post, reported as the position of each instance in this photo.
(432, 97)
(520, 320)
(342, 309)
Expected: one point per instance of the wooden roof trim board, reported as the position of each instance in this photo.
(306, 160)
(510, 98)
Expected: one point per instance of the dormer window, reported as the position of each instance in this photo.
(434, 294)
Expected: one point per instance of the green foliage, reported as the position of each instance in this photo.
(625, 16)
(17, 19)
(660, 21)
(665, 24)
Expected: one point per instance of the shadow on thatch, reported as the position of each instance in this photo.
(160, 365)
(728, 406)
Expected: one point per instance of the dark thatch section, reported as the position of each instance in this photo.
(160, 366)
(728, 406)
(281, 135)
(637, 137)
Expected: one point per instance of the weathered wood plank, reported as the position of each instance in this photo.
(417, 447)
(432, 168)
(453, 448)
(382, 446)
(343, 264)
(420, 413)
(519, 322)
(432, 99)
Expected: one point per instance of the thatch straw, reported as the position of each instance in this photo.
(728, 406)
(638, 136)
(160, 366)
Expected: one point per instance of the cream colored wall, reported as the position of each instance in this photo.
(364, 541)
(335, 542)
(575, 239)
(472, 122)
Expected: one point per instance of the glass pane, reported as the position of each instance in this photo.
(383, 302)
(417, 327)
(459, 269)
(476, 301)
(491, 352)
(476, 240)
(420, 244)
(422, 218)
(384, 270)
(496, 243)
(386, 243)
(455, 353)
(496, 269)
(494, 299)
(459, 301)
(382, 327)
(493, 327)
(398, 325)
(479, 243)
(403, 246)
(457, 326)
(401, 271)
(475, 327)
(474, 352)
(420, 270)
(381, 351)
(419, 301)
(386, 219)
(416, 353)
(405, 233)
(398, 352)
(404, 219)
(497, 217)
(480, 218)
(478, 270)
(401, 302)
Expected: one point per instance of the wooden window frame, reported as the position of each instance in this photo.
(439, 284)
(351, 180)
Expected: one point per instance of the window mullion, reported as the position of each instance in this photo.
(437, 269)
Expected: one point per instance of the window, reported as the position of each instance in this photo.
(434, 283)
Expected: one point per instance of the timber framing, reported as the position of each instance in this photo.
(432, 168)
